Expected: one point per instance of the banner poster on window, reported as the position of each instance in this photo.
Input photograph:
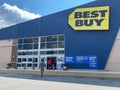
(93, 62)
(90, 60)
(59, 64)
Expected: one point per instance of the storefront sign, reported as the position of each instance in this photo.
(93, 18)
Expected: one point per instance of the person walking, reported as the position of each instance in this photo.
(42, 66)
(49, 64)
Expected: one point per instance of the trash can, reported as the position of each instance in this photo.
(64, 67)
(8, 65)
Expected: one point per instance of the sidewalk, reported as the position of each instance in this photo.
(80, 72)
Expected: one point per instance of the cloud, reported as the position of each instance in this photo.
(11, 15)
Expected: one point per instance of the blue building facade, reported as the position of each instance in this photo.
(83, 49)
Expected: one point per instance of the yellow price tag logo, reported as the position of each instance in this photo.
(93, 18)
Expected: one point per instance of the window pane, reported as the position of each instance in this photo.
(51, 52)
(24, 60)
(18, 65)
(19, 53)
(35, 59)
(23, 65)
(19, 59)
(20, 41)
(42, 45)
(61, 38)
(29, 53)
(35, 65)
(19, 47)
(61, 45)
(29, 59)
(35, 40)
(35, 52)
(43, 52)
(61, 52)
(35, 46)
(29, 65)
(43, 39)
(23, 53)
(27, 46)
(28, 40)
(52, 45)
(51, 38)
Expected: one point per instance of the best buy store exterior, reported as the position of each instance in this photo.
(84, 37)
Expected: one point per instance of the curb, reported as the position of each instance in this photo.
(98, 74)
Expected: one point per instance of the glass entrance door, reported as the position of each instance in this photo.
(51, 63)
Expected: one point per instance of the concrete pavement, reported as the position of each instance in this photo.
(35, 82)
(82, 73)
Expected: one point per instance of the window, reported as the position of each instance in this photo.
(43, 39)
(42, 45)
(43, 52)
(35, 40)
(61, 52)
(61, 45)
(35, 52)
(35, 65)
(23, 53)
(19, 53)
(35, 46)
(19, 47)
(51, 38)
(29, 59)
(54, 41)
(27, 46)
(28, 40)
(24, 60)
(23, 65)
(30, 48)
(19, 59)
(35, 59)
(20, 41)
(61, 38)
(51, 52)
(52, 45)
(29, 65)
(18, 65)
(29, 53)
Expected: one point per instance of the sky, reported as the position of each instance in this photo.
(17, 11)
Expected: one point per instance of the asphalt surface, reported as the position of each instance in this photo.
(35, 82)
